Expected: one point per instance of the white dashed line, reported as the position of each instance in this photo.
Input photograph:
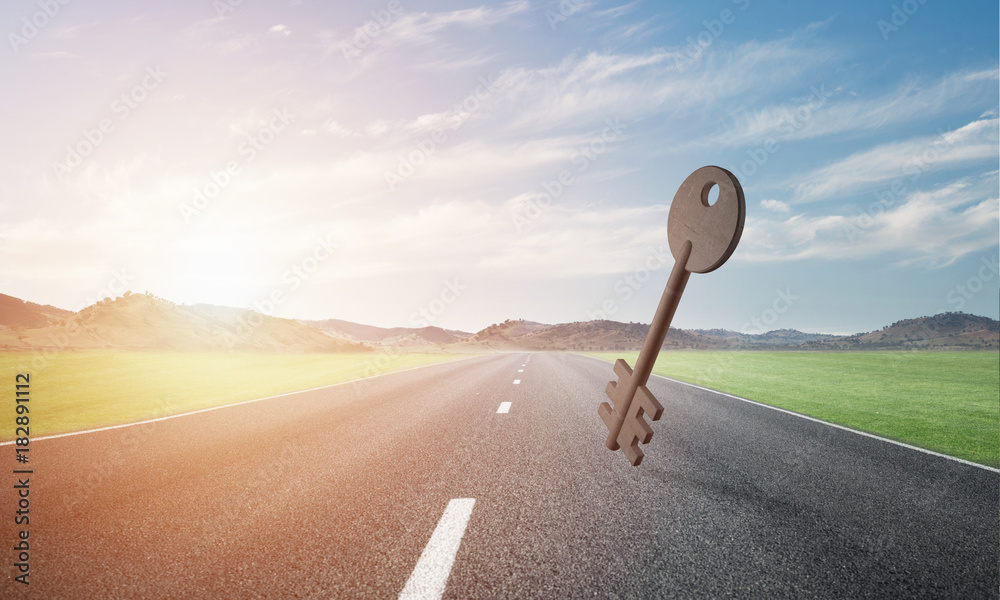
(517, 381)
(520, 370)
(429, 577)
(504, 408)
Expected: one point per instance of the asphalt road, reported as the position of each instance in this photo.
(335, 493)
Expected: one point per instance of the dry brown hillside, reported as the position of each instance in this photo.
(17, 313)
(944, 330)
(141, 321)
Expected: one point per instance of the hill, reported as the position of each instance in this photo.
(145, 322)
(951, 330)
(388, 336)
(943, 331)
(17, 313)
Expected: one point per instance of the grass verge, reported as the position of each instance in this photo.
(948, 402)
(75, 391)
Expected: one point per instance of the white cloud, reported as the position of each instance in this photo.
(579, 88)
(73, 30)
(907, 159)
(633, 32)
(930, 228)
(225, 37)
(458, 234)
(218, 34)
(376, 128)
(775, 205)
(334, 128)
(567, 243)
(58, 54)
(618, 11)
(808, 118)
(649, 83)
(420, 27)
(424, 29)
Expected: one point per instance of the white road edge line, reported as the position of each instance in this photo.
(504, 408)
(221, 406)
(430, 576)
(517, 381)
(815, 420)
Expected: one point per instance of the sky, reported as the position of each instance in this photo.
(412, 163)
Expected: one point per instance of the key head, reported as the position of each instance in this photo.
(713, 230)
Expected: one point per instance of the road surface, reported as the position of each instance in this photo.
(337, 492)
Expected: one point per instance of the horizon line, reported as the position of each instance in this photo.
(299, 319)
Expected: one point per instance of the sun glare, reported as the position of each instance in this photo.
(212, 271)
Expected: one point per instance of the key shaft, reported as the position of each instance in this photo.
(654, 340)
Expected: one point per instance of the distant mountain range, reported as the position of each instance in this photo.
(144, 321)
(942, 331)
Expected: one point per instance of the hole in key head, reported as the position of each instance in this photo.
(710, 194)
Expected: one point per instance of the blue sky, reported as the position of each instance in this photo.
(398, 163)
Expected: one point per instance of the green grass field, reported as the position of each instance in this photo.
(74, 391)
(948, 402)
(944, 401)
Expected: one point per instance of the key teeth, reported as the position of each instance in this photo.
(607, 414)
(635, 430)
(641, 429)
(609, 418)
(622, 369)
(610, 390)
(633, 453)
(649, 403)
